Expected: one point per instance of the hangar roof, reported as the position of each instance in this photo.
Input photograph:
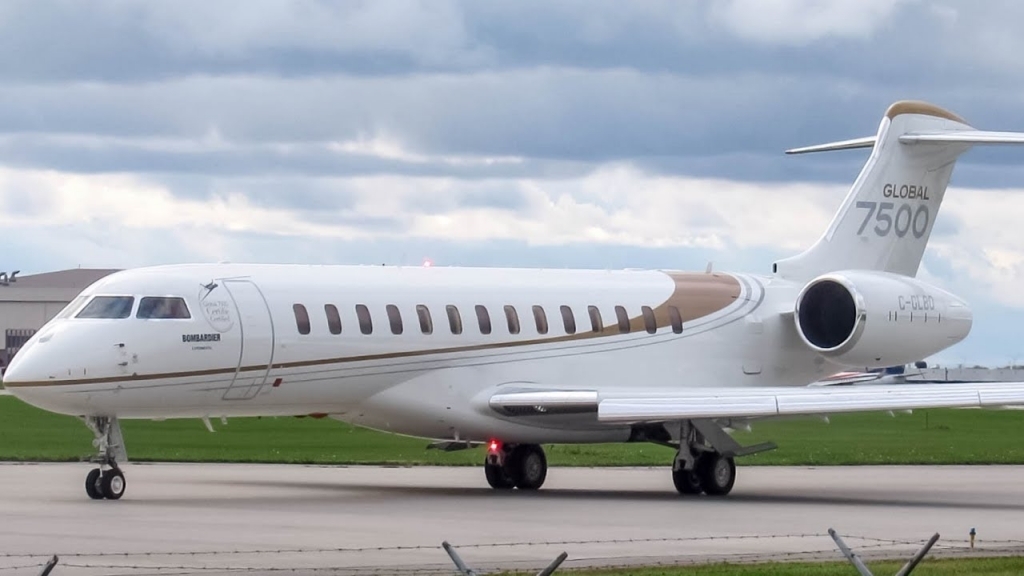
(59, 286)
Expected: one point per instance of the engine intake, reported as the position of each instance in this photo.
(828, 314)
(873, 319)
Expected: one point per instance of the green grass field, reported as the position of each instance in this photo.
(930, 567)
(925, 437)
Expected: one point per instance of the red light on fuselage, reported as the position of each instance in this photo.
(493, 446)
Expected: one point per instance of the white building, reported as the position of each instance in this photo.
(28, 302)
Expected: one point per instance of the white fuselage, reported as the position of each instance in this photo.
(242, 351)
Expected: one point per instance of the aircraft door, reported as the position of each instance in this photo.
(256, 329)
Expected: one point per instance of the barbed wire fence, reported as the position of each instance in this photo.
(525, 556)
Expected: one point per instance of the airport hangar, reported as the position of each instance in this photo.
(28, 302)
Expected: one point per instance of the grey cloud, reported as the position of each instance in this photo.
(128, 42)
(567, 114)
(334, 200)
(310, 160)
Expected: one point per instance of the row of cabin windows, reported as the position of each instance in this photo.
(483, 318)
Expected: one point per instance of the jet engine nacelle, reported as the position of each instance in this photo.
(873, 319)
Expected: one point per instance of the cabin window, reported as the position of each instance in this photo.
(484, 319)
(454, 319)
(676, 318)
(108, 307)
(623, 318)
(365, 321)
(152, 307)
(513, 319)
(426, 323)
(541, 319)
(596, 325)
(395, 319)
(301, 318)
(649, 322)
(333, 318)
(568, 320)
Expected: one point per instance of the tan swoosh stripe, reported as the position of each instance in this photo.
(916, 107)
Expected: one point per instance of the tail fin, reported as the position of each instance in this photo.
(887, 217)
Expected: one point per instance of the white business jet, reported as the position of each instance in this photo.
(513, 359)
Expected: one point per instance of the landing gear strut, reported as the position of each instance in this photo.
(705, 461)
(107, 481)
(522, 466)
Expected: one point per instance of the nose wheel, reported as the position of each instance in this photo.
(109, 484)
(106, 482)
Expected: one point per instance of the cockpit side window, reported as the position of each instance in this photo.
(108, 307)
(162, 308)
(70, 308)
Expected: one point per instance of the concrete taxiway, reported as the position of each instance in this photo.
(189, 518)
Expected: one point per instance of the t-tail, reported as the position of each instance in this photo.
(886, 219)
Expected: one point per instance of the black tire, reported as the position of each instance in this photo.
(498, 478)
(717, 474)
(113, 484)
(92, 484)
(530, 466)
(687, 482)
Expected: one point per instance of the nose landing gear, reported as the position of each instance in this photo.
(109, 484)
(107, 481)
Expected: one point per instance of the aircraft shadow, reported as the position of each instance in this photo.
(824, 497)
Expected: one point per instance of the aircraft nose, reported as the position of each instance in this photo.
(28, 377)
(20, 373)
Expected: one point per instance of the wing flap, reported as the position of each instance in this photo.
(768, 402)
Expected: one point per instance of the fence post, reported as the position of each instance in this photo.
(909, 566)
(849, 554)
(459, 564)
(49, 566)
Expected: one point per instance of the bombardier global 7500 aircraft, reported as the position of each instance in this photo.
(515, 358)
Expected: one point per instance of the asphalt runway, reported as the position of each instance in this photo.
(208, 519)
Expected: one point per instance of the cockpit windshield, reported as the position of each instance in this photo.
(152, 307)
(108, 307)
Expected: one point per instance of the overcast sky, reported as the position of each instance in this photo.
(529, 133)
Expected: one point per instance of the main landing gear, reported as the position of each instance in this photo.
(704, 459)
(508, 466)
(711, 473)
(107, 481)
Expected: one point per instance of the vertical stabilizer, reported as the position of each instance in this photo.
(886, 219)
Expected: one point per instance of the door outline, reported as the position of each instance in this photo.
(248, 391)
(753, 345)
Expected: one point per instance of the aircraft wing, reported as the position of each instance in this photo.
(621, 406)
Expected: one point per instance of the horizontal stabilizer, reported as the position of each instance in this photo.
(963, 137)
(865, 142)
(973, 137)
